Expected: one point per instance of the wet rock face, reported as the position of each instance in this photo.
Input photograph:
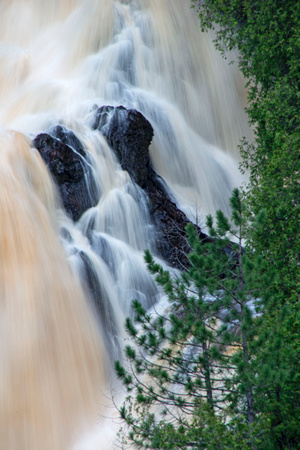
(103, 308)
(68, 163)
(129, 134)
(170, 223)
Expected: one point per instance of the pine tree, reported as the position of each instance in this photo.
(190, 371)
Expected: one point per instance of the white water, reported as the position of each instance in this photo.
(58, 59)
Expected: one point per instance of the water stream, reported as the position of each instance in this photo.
(58, 59)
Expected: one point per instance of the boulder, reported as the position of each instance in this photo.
(68, 163)
(130, 134)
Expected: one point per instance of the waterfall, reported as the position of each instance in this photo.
(66, 287)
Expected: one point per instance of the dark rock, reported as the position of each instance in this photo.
(170, 222)
(129, 134)
(69, 138)
(100, 302)
(69, 165)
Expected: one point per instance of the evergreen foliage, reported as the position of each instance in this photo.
(266, 35)
(190, 372)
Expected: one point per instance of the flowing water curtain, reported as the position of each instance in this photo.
(51, 353)
(160, 63)
(58, 59)
(148, 55)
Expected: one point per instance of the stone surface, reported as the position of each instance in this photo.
(68, 163)
(130, 134)
(170, 223)
(101, 303)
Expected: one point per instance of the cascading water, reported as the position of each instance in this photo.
(66, 287)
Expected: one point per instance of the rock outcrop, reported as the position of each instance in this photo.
(130, 134)
(69, 165)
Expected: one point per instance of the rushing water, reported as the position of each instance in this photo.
(58, 59)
